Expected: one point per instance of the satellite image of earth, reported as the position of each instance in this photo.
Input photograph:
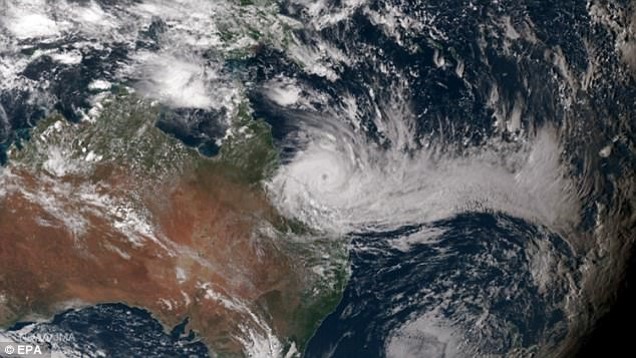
(316, 178)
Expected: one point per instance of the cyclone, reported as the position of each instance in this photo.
(340, 180)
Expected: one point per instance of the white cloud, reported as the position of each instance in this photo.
(175, 81)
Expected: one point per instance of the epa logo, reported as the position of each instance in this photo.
(24, 350)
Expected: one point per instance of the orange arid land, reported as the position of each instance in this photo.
(114, 210)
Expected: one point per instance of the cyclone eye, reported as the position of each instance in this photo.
(324, 177)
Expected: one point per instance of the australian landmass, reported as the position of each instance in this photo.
(112, 209)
